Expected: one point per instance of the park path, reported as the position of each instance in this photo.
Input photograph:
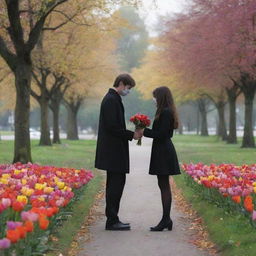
(141, 207)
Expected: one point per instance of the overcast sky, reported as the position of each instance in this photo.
(151, 11)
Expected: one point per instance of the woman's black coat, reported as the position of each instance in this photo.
(164, 159)
(112, 152)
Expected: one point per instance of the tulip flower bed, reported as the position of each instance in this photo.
(33, 200)
(226, 185)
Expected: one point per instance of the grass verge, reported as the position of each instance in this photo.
(68, 231)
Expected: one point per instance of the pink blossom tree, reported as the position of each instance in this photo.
(214, 45)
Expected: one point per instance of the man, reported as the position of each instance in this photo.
(112, 153)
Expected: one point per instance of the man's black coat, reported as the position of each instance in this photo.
(112, 153)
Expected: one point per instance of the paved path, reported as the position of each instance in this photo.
(141, 207)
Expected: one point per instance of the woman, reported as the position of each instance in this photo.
(164, 160)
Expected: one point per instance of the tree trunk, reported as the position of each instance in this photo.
(248, 138)
(72, 129)
(57, 92)
(248, 88)
(22, 147)
(180, 129)
(232, 96)
(43, 100)
(197, 122)
(222, 130)
(55, 107)
(204, 125)
(45, 139)
(203, 113)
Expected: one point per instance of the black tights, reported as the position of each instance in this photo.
(166, 195)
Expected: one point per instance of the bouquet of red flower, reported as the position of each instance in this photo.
(140, 121)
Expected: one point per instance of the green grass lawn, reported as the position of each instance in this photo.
(78, 154)
(6, 133)
(232, 233)
(192, 148)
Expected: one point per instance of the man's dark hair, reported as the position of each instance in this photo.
(126, 79)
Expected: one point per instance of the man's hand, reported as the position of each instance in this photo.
(136, 135)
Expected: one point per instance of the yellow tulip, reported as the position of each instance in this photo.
(60, 184)
(39, 186)
(211, 177)
(28, 192)
(22, 199)
(56, 179)
(6, 176)
(3, 181)
(48, 190)
(16, 172)
(24, 181)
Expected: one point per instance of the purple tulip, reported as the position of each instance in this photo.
(13, 224)
(5, 243)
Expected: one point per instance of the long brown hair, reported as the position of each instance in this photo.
(164, 99)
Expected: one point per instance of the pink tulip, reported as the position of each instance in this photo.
(5, 243)
(6, 202)
(223, 190)
(254, 215)
(246, 192)
(30, 216)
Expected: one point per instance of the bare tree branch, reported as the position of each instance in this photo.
(5, 76)
(31, 22)
(37, 29)
(8, 56)
(68, 19)
(36, 79)
(15, 30)
(33, 94)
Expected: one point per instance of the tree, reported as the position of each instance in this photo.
(17, 54)
(133, 41)
(57, 93)
(213, 43)
(233, 92)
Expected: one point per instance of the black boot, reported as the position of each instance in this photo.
(163, 225)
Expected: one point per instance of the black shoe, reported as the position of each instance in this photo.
(127, 224)
(118, 226)
(162, 225)
(108, 223)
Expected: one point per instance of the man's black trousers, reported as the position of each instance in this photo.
(114, 190)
